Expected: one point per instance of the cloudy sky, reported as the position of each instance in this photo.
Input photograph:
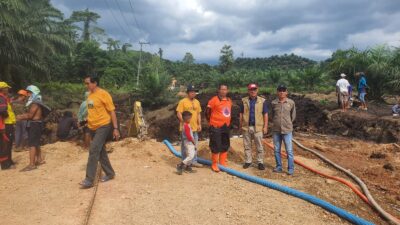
(254, 28)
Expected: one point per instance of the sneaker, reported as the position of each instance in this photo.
(246, 165)
(261, 166)
(277, 170)
(290, 173)
(197, 165)
(179, 169)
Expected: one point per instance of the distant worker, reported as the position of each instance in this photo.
(219, 114)
(82, 121)
(396, 108)
(283, 113)
(34, 118)
(362, 90)
(102, 119)
(189, 143)
(192, 105)
(253, 124)
(21, 135)
(350, 103)
(67, 127)
(10, 122)
(342, 90)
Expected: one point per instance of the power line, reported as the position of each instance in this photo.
(134, 17)
(122, 13)
(115, 18)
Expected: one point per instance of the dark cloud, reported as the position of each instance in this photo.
(312, 28)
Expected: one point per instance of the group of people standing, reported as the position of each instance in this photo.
(255, 112)
(29, 120)
(97, 113)
(344, 91)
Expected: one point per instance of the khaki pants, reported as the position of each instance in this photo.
(248, 136)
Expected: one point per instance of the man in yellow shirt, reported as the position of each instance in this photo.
(191, 104)
(101, 120)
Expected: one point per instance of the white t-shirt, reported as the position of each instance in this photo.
(343, 85)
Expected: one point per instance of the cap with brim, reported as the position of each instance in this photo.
(343, 75)
(4, 85)
(191, 88)
(23, 92)
(281, 87)
(252, 86)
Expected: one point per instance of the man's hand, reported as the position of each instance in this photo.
(199, 128)
(116, 134)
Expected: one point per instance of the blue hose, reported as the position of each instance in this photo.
(312, 199)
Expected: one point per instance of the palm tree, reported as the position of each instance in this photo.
(89, 20)
(125, 47)
(112, 44)
(29, 30)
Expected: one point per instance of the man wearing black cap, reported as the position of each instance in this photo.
(191, 104)
(283, 112)
(253, 124)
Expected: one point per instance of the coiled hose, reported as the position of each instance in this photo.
(312, 199)
(363, 186)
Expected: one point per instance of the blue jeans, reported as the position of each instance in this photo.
(183, 150)
(287, 139)
(362, 97)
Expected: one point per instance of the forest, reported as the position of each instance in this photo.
(39, 45)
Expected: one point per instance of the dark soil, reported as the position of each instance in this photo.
(164, 124)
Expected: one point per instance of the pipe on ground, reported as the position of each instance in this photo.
(290, 191)
(363, 186)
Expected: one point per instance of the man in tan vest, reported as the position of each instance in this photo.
(253, 124)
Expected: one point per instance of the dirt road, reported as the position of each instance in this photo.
(147, 191)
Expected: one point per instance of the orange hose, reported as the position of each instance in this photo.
(341, 180)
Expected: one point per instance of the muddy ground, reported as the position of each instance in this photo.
(148, 191)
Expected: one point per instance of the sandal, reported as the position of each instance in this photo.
(85, 184)
(107, 178)
(28, 168)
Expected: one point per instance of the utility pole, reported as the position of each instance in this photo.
(140, 59)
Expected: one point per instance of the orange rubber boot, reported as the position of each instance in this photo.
(223, 158)
(214, 166)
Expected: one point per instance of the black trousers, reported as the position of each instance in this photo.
(219, 139)
(6, 147)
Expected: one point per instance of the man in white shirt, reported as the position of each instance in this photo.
(342, 90)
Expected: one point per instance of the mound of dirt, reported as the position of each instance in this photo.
(363, 125)
(164, 124)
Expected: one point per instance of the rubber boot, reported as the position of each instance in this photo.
(223, 158)
(214, 165)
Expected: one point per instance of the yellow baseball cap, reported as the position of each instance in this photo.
(4, 85)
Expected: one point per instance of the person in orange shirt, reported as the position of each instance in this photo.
(101, 120)
(218, 113)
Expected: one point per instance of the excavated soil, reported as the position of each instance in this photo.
(314, 114)
(163, 122)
